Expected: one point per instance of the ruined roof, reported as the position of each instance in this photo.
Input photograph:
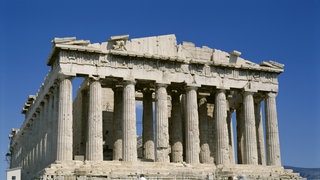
(163, 47)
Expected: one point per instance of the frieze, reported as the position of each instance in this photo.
(79, 57)
(148, 64)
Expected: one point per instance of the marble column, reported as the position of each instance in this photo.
(45, 132)
(162, 124)
(272, 133)
(203, 128)
(49, 129)
(117, 122)
(220, 114)
(192, 126)
(64, 133)
(147, 133)
(250, 141)
(129, 143)
(240, 134)
(183, 117)
(94, 148)
(176, 134)
(259, 130)
(84, 121)
(230, 135)
(55, 104)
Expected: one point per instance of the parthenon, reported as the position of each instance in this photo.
(207, 114)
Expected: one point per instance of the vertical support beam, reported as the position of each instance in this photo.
(230, 135)
(251, 155)
(45, 132)
(203, 128)
(220, 112)
(240, 135)
(147, 134)
(117, 122)
(162, 124)
(49, 129)
(129, 152)
(94, 149)
(64, 133)
(259, 130)
(84, 120)
(272, 132)
(192, 126)
(176, 133)
(55, 121)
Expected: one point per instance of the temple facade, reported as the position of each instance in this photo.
(202, 113)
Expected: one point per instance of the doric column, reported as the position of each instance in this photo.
(49, 129)
(192, 126)
(64, 133)
(45, 132)
(84, 120)
(250, 141)
(230, 135)
(117, 122)
(147, 134)
(176, 134)
(94, 148)
(183, 117)
(203, 128)
(54, 117)
(220, 114)
(162, 126)
(129, 151)
(272, 133)
(259, 130)
(240, 134)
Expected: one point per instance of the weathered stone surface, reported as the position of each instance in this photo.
(147, 134)
(222, 151)
(162, 124)
(94, 145)
(63, 140)
(129, 151)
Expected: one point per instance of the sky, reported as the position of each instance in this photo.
(285, 31)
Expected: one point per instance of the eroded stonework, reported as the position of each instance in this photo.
(193, 91)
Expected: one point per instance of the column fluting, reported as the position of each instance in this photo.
(64, 130)
(272, 132)
(220, 114)
(94, 149)
(251, 154)
(260, 136)
(192, 126)
(129, 143)
(162, 124)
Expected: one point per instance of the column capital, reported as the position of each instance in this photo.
(94, 78)
(221, 90)
(129, 81)
(161, 85)
(147, 90)
(64, 76)
(246, 93)
(271, 94)
(191, 87)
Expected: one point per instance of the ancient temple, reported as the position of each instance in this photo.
(202, 114)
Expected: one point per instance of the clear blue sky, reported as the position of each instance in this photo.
(286, 31)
